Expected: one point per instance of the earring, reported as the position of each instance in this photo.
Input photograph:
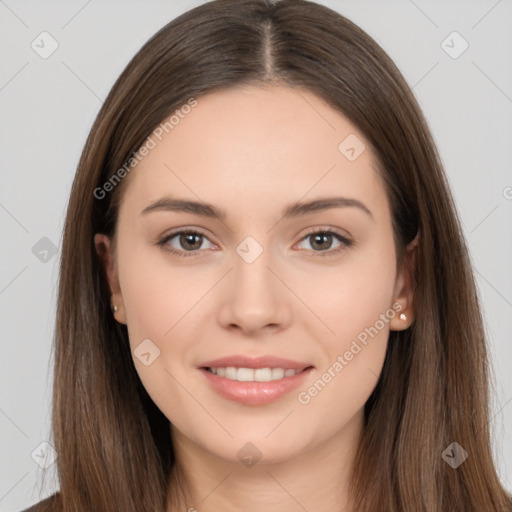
(114, 308)
(403, 316)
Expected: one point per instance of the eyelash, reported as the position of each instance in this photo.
(163, 243)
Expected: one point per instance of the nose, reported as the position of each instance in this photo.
(254, 298)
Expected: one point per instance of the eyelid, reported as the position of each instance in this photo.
(341, 235)
(186, 229)
(164, 239)
(315, 229)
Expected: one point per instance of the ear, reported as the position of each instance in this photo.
(404, 289)
(105, 250)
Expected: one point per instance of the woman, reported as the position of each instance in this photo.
(265, 296)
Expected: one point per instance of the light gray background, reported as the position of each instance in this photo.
(48, 106)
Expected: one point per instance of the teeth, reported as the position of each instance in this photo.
(253, 375)
(277, 373)
(263, 374)
(231, 373)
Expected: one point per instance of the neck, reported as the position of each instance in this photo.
(317, 478)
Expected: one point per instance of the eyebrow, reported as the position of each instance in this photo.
(291, 211)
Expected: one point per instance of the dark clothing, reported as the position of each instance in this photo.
(47, 505)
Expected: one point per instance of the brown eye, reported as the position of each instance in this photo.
(321, 241)
(190, 241)
(183, 243)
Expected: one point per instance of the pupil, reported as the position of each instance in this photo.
(187, 240)
(322, 238)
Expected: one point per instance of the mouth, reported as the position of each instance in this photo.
(254, 386)
(242, 374)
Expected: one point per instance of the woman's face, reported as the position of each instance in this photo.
(256, 283)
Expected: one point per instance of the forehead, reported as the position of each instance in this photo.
(255, 145)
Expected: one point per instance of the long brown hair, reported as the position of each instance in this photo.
(113, 443)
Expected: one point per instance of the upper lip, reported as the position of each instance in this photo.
(266, 361)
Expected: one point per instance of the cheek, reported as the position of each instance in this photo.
(163, 305)
(352, 365)
(158, 295)
(353, 302)
(350, 294)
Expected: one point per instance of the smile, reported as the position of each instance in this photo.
(242, 385)
(253, 374)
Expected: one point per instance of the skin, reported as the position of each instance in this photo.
(252, 151)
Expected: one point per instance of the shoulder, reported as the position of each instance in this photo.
(49, 504)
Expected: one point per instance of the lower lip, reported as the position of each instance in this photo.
(254, 393)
